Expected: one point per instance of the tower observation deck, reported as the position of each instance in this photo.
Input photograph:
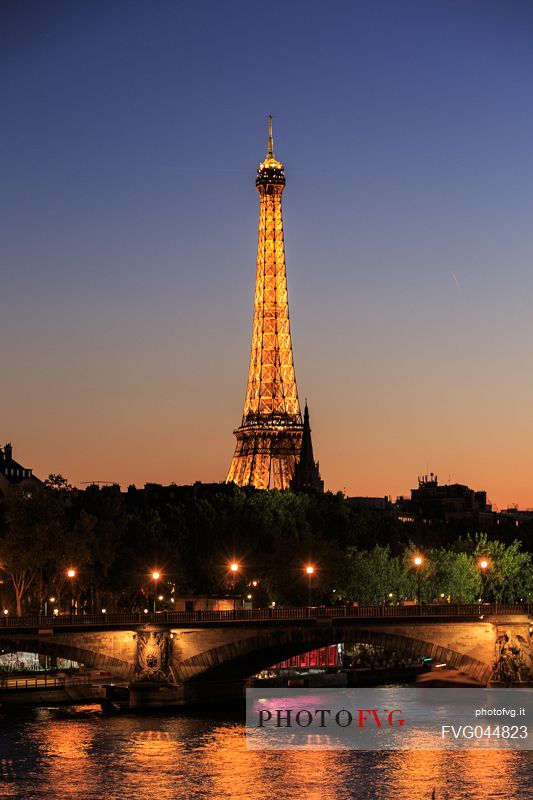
(270, 435)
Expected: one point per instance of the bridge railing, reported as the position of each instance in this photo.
(46, 624)
(45, 682)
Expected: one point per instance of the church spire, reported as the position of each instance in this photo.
(307, 474)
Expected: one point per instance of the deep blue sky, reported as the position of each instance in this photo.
(130, 136)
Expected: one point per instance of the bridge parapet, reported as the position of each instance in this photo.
(269, 615)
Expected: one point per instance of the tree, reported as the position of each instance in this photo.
(58, 482)
(454, 575)
(509, 576)
(371, 576)
(32, 524)
(102, 530)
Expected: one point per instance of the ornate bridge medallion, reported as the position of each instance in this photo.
(153, 651)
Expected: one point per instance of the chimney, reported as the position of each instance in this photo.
(8, 451)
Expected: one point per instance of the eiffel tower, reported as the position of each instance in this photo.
(270, 435)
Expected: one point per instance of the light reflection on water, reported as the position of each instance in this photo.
(52, 754)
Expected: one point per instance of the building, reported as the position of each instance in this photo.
(153, 495)
(11, 472)
(377, 506)
(207, 602)
(269, 439)
(518, 516)
(452, 502)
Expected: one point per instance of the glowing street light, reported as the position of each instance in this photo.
(71, 574)
(234, 568)
(418, 561)
(48, 600)
(483, 564)
(310, 570)
(155, 577)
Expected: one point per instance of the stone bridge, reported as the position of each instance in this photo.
(176, 657)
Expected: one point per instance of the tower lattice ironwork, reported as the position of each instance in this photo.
(270, 435)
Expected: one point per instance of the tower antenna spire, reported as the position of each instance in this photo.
(270, 153)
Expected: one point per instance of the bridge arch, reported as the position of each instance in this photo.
(58, 649)
(242, 658)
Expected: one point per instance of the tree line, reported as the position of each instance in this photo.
(113, 542)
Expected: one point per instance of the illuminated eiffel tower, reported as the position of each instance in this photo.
(270, 436)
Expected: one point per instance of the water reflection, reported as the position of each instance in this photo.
(81, 754)
(62, 752)
(464, 775)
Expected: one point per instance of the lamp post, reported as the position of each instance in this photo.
(71, 574)
(310, 570)
(234, 568)
(155, 577)
(418, 561)
(483, 565)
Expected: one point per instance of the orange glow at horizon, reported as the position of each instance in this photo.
(127, 465)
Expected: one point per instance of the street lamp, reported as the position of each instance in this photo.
(52, 600)
(310, 570)
(155, 577)
(483, 564)
(71, 574)
(418, 561)
(234, 568)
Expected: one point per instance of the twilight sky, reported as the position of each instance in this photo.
(130, 135)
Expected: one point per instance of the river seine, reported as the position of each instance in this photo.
(58, 754)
